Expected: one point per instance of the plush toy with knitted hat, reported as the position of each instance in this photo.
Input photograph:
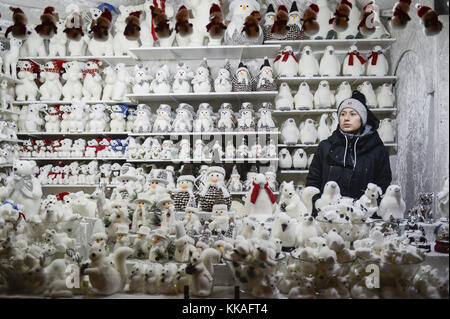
(294, 24)
(310, 25)
(185, 188)
(122, 239)
(243, 26)
(48, 28)
(280, 27)
(251, 27)
(141, 244)
(141, 216)
(400, 17)
(191, 221)
(51, 89)
(242, 79)
(102, 41)
(341, 16)
(216, 28)
(430, 20)
(162, 27)
(19, 27)
(215, 191)
(132, 29)
(159, 244)
(183, 27)
(264, 81)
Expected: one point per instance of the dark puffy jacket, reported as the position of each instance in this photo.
(372, 161)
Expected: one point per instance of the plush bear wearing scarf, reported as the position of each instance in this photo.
(260, 199)
(24, 188)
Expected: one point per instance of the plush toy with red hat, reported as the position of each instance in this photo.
(280, 26)
(183, 27)
(310, 25)
(215, 28)
(430, 20)
(48, 28)
(27, 89)
(101, 27)
(162, 27)
(400, 17)
(251, 27)
(367, 20)
(133, 28)
(19, 27)
(51, 89)
(341, 16)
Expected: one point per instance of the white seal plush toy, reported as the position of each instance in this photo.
(303, 99)
(308, 132)
(285, 159)
(323, 97)
(323, 130)
(290, 133)
(22, 187)
(367, 89)
(285, 63)
(392, 204)
(344, 91)
(300, 159)
(387, 130)
(284, 100)
(353, 63)
(330, 196)
(260, 200)
(385, 96)
(323, 17)
(377, 64)
(329, 63)
(308, 65)
(290, 202)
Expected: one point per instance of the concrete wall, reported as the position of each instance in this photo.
(421, 63)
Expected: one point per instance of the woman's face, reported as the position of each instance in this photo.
(349, 120)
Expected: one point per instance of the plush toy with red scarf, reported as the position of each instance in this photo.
(260, 199)
(377, 64)
(51, 89)
(353, 63)
(285, 63)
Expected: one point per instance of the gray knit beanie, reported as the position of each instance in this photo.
(356, 105)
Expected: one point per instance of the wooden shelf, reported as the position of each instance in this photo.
(212, 52)
(112, 60)
(237, 97)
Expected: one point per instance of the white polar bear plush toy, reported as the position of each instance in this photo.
(22, 187)
(148, 36)
(97, 118)
(122, 85)
(72, 89)
(110, 80)
(27, 88)
(324, 97)
(200, 12)
(33, 122)
(57, 45)
(354, 63)
(303, 99)
(387, 130)
(52, 119)
(329, 63)
(77, 117)
(34, 44)
(51, 89)
(385, 96)
(392, 204)
(290, 202)
(92, 80)
(74, 25)
(101, 47)
(120, 42)
(308, 65)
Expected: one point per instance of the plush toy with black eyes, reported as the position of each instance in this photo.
(215, 191)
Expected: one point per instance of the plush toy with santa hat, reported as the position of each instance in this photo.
(242, 15)
(400, 17)
(430, 20)
(367, 25)
(280, 26)
(310, 25)
(51, 89)
(260, 199)
(19, 27)
(48, 28)
(215, 191)
(216, 28)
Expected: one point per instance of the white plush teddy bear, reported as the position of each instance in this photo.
(51, 89)
(141, 84)
(161, 83)
(27, 88)
(97, 118)
(163, 120)
(65, 148)
(12, 56)
(72, 89)
(91, 148)
(77, 117)
(65, 110)
(32, 120)
(122, 85)
(57, 45)
(182, 79)
(92, 80)
(120, 42)
(109, 82)
(24, 188)
(78, 147)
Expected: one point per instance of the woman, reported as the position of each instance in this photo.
(354, 154)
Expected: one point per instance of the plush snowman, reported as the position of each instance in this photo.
(191, 221)
(185, 188)
(285, 63)
(183, 118)
(202, 81)
(284, 100)
(242, 80)
(323, 17)
(182, 79)
(243, 150)
(163, 120)
(214, 191)
(161, 82)
(308, 65)
(234, 183)
(271, 178)
(329, 63)
(220, 219)
(270, 150)
(141, 244)
(156, 184)
(184, 149)
(265, 121)
(230, 150)
(343, 92)
(122, 239)
(294, 25)
(204, 121)
(141, 84)
(269, 19)
(246, 121)
(354, 63)
(385, 96)
(265, 81)
(308, 131)
(367, 89)
(324, 97)
(159, 244)
(387, 130)
(290, 134)
(222, 83)
(303, 99)
(377, 64)
(226, 121)
(238, 11)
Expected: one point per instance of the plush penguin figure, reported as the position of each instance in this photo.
(308, 132)
(300, 159)
(323, 130)
(285, 159)
(284, 100)
(269, 19)
(323, 17)
(353, 63)
(343, 92)
(329, 63)
(377, 64)
(289, 132)
(323, 98)
(303, 99)
(352, 31)
(308, 65)
(285, 63)
(367, 89)
(385, 96)
(387, 130)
